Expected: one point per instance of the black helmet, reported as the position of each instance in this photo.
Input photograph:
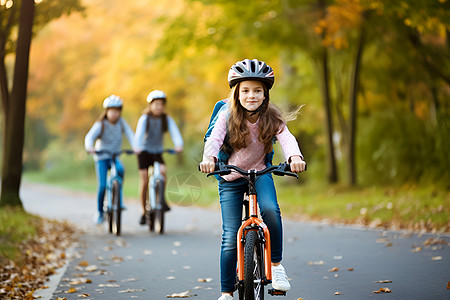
(251, 70)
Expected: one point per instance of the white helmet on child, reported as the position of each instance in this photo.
(113, 101)
(156, 94)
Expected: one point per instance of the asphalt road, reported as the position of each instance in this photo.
(320, 259)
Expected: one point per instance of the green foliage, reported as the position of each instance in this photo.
(397, 147)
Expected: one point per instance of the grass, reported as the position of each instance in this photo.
(408, 207)
(15, 226)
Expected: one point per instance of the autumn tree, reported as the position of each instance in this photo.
(18, 16)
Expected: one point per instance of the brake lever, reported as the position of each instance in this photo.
(284, 169)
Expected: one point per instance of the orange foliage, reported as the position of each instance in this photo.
(340, 17)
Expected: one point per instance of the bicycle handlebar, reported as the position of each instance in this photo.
(279, 170)
(170, 151)
(126, 151)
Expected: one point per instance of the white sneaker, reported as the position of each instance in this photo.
(226, 297)
(280, 279)
(98, 218)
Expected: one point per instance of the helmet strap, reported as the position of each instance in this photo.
(253, 112)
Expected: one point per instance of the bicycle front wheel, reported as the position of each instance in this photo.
(114, 224)
(253, 267)
(158, 214)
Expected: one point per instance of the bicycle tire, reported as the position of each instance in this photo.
(151, 220)
(253, 268)
(116, 208)
(159, 212)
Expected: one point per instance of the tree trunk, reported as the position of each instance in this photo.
(354, 88)
(15, 115)
(332, 170)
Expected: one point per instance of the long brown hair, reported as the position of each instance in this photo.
(103, 116)
(270, 121)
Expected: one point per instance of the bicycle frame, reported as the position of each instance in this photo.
(253, 222)
(113, 176)
(154, 178)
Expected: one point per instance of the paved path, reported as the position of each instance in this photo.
(141, 265)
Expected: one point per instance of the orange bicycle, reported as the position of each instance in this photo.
(253, 238)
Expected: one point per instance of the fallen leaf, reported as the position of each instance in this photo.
(334, 269)
(131, 291)
(84, 295)
(204, 279)
(83, 263)
(91, 268)
(337, 293)
(416, 249)
(383, 281)
(108, 285)
(185, 294)
(316, 263)
(350, 269)
(170, 277)
(448, 285)
(436, 258)
(71, 291)
(382, 290)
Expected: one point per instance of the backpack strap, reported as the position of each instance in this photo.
(165, 125)
(102, 130)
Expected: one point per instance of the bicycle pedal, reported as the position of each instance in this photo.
(274, 292)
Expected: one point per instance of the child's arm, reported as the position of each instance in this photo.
(140, 134)
(91, 136)
(129, 133)
(177, 139)
(291, 150)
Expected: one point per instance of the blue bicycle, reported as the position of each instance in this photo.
(156, 203)
(114, 185)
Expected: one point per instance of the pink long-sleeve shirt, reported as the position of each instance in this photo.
(251, 157)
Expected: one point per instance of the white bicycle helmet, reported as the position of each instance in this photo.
(112, 101)
(156, 94)
(251, 70)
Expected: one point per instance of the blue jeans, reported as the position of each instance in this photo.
(101, 168)
(231, 196)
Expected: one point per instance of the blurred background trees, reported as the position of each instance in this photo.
(374, 76)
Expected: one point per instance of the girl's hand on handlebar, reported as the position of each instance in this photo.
(297, 164)
(208, 164)
(178, 149)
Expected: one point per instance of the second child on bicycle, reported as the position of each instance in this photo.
(150, 130)
(106, 135)
(247, 128)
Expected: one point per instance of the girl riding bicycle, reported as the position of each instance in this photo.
(246, 130)
(106, 135)
(150, 130)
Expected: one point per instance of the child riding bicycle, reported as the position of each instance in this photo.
(150, 130)
(245, 131)
(106, 135)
